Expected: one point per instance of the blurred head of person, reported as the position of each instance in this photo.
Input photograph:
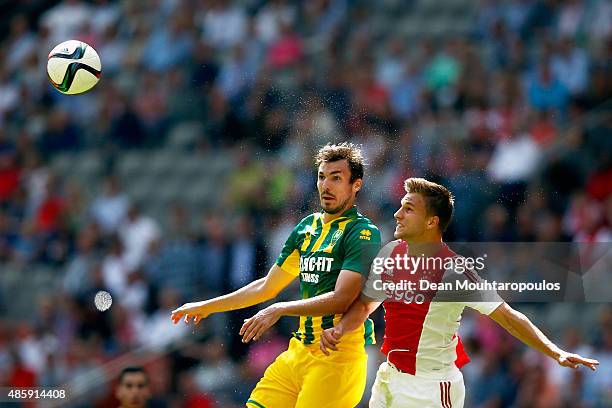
(133, 389)
(133, 213)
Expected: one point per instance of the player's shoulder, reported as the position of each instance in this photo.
(361, 220)
(310, 217)
(362, 227)
(305, 226)
(392, 248)
(458, 266)
(307, 220)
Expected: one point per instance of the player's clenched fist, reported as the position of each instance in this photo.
(195, 310)
(329, 339)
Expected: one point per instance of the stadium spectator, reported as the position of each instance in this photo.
(133, 389)
(137, 234)
(546, 91)
(110, 207)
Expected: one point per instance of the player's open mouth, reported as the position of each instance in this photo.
(327, 197)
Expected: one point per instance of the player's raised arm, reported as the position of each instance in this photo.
(356, 263)
(254, 293)
(337, 301)
(523, 329)
(285, 269)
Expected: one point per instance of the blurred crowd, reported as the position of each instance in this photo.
(515, 117)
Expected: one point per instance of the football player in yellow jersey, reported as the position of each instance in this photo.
(330, 252)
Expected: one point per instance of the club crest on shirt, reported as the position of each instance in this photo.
(335, 237)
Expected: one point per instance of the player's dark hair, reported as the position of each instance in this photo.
(343, 151)
(133, 370)
(438, 200)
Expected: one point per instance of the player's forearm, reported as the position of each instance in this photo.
(326, 304)
(523, 329)
(355, 316)
(249, 295)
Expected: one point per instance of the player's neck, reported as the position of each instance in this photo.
(327, 217)
(424, 245)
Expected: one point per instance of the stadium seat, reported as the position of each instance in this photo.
(184, 135)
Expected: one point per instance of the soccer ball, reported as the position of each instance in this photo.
(73, 67)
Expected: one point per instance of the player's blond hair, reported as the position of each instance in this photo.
(438, 200)
(343, 151)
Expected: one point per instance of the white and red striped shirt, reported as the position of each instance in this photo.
(421, 338)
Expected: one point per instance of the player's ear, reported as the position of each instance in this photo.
(357, 185)
(433, 222)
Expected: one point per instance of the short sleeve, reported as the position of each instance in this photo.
(289, 258)
(486, 308)
(360, 247)
(469, 291)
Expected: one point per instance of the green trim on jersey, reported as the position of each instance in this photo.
(368, 334)
(308, 331)
(317, 252)
(257, 404)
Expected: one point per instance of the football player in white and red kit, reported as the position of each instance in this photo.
(424, 352)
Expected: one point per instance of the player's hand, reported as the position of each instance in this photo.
(574, 360)
(253, 328)
(329, 339)
(195, 310)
